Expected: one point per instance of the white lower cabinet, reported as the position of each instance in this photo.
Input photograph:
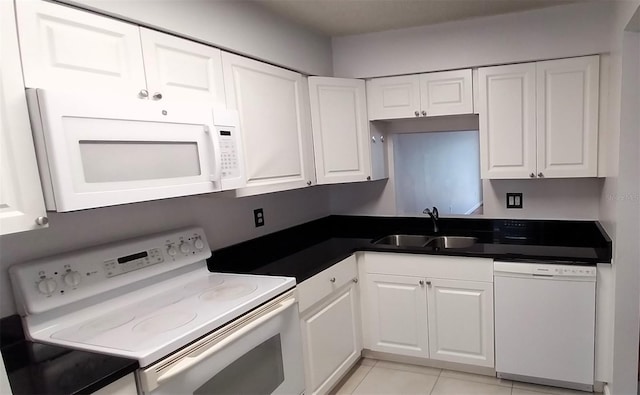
(461, 321)
(397, 311)
(435, 307)
(330, 324)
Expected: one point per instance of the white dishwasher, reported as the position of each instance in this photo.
(545, 323)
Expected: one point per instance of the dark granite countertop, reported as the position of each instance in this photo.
(305, 250)
(35, 368)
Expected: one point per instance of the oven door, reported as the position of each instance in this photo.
(260, 353)
(101, 151)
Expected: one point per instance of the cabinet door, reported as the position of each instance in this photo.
(461, 321)
(274, 120)
(21, 199)
(340, 130)
(180, 69)
(394, 97)
(446, 93)
(567, 124)
(395, 315)
(332, 340)
(65, 48)
(507, 121)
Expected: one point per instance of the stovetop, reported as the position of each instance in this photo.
(152, 323)
(142, 299)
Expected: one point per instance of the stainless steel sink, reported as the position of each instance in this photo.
(439, 242)
(445, 242)
(403, 240)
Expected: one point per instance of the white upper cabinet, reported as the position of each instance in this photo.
(273, 108)
(393, 97)
(507, 121)
(65, 48)
(180, 69)
(446, 93)
(539, 119)
(567, 122)
(420, 95)
(21, 200)
(341, 137)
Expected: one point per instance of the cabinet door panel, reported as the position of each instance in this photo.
(21, 200)
(567, 124)
(69, 49)
(182, 69)
(340, 130)
(393, 97)
(507, 121)
(274, 122)
(461, 321)
(396, 315)
(446, 93)
(332, 342)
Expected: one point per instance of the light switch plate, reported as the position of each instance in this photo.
(514, 200)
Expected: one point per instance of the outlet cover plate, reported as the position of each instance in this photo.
(258, 217)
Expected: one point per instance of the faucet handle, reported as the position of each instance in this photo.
(426, 211)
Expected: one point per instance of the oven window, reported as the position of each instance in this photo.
(114, 161)
(259, 371)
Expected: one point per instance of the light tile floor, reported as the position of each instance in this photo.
(381, 377)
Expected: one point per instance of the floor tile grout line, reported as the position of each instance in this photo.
(363, 377)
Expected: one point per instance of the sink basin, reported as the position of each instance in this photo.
(445, 242)
(403, 240)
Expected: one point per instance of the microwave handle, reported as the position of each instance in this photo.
(193, 359)
(215, 160)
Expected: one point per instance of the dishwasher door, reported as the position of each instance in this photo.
(545, 323)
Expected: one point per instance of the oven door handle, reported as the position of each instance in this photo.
(201, 354)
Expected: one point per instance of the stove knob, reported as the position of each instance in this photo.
(72, 279)
(172, 251)
(47, 286)
(198, 244)
(185, 248)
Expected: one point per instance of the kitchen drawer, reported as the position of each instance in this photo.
(326, 282)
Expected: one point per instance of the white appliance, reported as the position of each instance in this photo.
(545, 323)
(98, 150)
(153, 299)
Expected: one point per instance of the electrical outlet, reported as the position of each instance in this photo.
(514, 200)
(258, 217)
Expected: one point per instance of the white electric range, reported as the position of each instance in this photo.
(153, 299)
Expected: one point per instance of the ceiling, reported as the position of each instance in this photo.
(346, 17)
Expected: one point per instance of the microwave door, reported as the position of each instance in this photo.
(97, 161)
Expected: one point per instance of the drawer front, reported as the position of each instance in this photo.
(429, 266)
(324, 283)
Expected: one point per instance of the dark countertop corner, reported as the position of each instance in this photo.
(36, 368)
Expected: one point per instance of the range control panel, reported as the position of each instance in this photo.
(48, 283)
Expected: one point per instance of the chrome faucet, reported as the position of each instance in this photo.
(433, 213)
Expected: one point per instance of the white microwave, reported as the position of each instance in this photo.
(97, 151)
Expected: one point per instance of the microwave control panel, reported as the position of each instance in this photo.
(229, 152)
